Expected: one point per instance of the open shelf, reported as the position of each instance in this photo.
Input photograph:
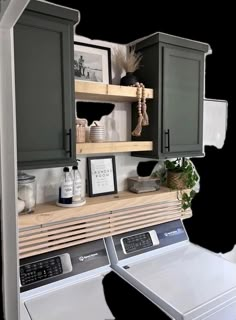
(85, 90)
(51, 213)
(52, 228)
(113, 146)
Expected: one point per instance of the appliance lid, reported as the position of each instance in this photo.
(190, 279)
(84, 300)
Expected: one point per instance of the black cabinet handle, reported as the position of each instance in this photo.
(70, 143)
(167, 133)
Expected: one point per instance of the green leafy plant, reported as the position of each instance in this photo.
(181, 174)
(187, 199)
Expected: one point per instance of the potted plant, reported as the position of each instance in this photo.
(181, 174)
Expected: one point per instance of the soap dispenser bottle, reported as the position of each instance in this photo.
(77, 184)
(66, 187)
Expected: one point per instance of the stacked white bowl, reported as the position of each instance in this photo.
(97, 134)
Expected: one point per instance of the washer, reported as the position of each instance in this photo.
(65, 284)
(184, 280)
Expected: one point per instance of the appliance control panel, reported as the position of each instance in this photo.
(44, 269)
(139, 241)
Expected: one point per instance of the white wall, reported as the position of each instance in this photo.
(48, 179)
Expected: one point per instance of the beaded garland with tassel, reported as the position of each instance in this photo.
(142, 109)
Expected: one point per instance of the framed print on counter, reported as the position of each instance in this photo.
(101, 176)
(92, 63)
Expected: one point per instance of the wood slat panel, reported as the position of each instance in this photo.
(64, 240)
(50, 213)
(58, 247)
(142, 226)
(152, 206)
(143, 214)
(65, 233)
(142, 218)
(86, 233)
(85, 228)
(62, 224)
(59, 229)
(142, 223)
(167, 206)
(47, 231)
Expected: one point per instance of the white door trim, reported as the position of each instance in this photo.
(8, 160)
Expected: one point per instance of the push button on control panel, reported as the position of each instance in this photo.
(139, 241)
(40, 270)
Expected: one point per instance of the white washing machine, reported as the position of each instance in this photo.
(184, 280)
(65, 284)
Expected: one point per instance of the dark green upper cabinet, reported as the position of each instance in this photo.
(174, 67)
(44, 79)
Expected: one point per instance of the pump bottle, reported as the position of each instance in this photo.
(66, 187)
(77, 184)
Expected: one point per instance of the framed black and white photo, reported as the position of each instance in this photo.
(101, 176)
(92, 63)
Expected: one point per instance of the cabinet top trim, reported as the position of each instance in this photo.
(55, 10)
(170, 39)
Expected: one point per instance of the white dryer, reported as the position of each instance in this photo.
(184, 280)
(65, 284)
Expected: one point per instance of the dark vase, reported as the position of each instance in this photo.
(128, 80)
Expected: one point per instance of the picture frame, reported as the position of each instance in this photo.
(92, 63)
(101, 176)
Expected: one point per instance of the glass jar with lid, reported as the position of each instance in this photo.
(26, 192)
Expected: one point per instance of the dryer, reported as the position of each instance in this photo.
(65, 284)
(184, 280)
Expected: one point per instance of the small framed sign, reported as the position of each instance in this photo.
(101, 176)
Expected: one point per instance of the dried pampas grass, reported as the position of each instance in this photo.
(129, 61)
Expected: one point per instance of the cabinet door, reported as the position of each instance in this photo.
(182, 101)
(44, 91)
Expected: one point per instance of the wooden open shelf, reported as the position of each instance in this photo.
(113, 147)
(50, 212)
(107, 92)
(53, 228)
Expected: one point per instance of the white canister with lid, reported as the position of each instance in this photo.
(26, 193)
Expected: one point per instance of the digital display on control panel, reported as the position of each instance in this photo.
(40, 270)
(139, 241)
